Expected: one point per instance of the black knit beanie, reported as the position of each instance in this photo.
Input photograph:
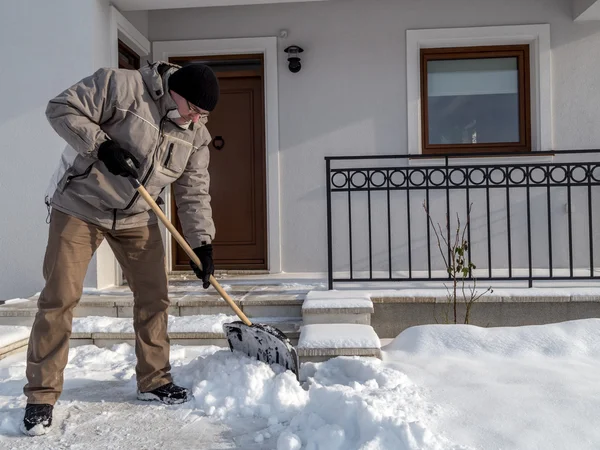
(198, 84)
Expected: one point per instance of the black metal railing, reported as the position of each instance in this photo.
(532, 216)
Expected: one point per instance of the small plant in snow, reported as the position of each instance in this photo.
(458, 267)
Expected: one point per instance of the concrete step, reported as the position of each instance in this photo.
(13, 342)
(102, 338)
(323, 307)
(266, 305)
(13, 339)
(191, 330)
(320, 342)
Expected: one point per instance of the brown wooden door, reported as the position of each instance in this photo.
(237, 171)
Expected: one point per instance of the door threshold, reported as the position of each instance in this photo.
(186, 274)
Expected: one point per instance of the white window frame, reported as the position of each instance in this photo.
(537, 36)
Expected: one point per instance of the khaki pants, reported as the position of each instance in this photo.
(71, 245)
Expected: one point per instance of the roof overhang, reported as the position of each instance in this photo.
(143, 5)
(585, 10)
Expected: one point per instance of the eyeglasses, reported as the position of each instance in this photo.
(196, 110)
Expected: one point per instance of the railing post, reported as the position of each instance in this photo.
(448, 212)
(329, 232)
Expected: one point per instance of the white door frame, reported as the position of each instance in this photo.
(268, 47)
(123, 29)
(108, 270)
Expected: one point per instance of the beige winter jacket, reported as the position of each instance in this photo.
(130, 107)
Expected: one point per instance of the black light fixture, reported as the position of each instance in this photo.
(293, 52)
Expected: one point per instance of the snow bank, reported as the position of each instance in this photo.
(566, 339)
(358, 403)
(177, 324)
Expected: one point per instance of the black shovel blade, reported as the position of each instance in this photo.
(263, 342)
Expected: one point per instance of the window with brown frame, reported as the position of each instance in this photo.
(475, 99)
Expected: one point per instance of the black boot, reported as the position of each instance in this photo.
(169, 394)
(37, 420)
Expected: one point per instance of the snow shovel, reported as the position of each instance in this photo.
(263, 342)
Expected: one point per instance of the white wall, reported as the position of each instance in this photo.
(138, 19)
(580, 6)
(46, 47)
(350, 97)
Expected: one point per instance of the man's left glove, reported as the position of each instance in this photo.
(205, 255)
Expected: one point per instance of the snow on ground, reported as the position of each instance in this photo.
(238, 403)
(439, 387)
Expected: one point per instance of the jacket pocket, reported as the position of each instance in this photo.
(169, 155)
(174, 159)
(71, 175)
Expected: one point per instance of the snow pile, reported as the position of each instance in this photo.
(350, 403)
(567, 339)
(360, 404)
(177, 324)
(228, 384)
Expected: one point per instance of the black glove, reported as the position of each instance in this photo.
(117, 160)
(205, 255)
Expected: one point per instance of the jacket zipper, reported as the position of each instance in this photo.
(81, 175)
(145, 179)
(168, 158)
(114, 225)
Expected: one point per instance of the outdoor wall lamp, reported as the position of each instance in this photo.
(293, 52)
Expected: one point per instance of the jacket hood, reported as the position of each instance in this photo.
(156, 78)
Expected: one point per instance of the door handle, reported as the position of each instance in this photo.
(218, 142)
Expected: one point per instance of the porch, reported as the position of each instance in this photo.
(356, 319)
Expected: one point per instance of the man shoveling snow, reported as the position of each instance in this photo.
(147, 124)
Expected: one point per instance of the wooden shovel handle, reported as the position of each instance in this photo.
(180, 239)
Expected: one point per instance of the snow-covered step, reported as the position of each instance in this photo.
(322, 307)
(267, 305)
(23, 312)
(13, 339)
(320, 342)
(277, 305)
(184, 330)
